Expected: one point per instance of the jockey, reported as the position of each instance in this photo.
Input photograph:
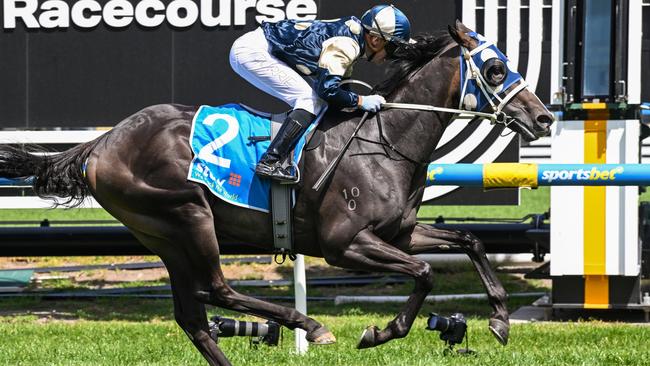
(303, 63)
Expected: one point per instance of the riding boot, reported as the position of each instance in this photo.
(270, 165)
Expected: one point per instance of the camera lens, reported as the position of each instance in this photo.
(439, 323)
(228, 327)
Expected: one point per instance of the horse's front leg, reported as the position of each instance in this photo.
(427, 239)
(370, 253)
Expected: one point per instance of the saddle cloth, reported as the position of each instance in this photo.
(227, 142)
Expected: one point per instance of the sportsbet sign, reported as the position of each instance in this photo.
(594, 174)
(51, 14)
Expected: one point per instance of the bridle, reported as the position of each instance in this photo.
(491, 94)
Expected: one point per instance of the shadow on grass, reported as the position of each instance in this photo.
(100, 309)
(152, 310)
(70, 285)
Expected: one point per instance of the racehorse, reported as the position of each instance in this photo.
(138, 173)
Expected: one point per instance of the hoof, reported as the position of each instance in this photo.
(368, 337)
(321, 336)
(500, 329)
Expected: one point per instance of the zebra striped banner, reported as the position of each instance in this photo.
(479, 142)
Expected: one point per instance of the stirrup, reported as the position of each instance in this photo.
(276, 172)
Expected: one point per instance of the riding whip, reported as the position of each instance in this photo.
(332, 166)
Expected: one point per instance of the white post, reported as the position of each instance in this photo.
(635, 41)
(300, 293)
(557, 51)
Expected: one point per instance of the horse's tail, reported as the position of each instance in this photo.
(53, 176)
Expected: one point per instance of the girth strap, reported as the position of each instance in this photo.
(281, 219)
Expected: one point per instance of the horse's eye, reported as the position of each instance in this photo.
(494, 71)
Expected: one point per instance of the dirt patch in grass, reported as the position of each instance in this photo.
(106, 278)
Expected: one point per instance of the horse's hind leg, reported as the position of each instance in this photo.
(188, 311)
(427, 239)
(190, 315)
(370, 253)
(203, 252)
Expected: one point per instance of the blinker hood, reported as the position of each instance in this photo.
(472, 97)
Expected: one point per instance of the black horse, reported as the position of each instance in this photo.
(138, 171)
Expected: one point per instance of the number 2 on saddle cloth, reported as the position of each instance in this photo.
(226, 152)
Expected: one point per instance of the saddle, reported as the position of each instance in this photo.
(227, 142)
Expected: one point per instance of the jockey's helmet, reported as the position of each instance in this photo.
(387, 22)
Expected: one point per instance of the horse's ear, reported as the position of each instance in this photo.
(459, 32)
(462, 27)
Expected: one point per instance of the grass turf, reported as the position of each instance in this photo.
(29, 341)
(533, 201)
(73, 214)
(121, 331)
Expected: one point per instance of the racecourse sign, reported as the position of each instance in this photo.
(50, 14)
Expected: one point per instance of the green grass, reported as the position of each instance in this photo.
(533, 201)
(159, 341)
(121, 331)
(74, 214)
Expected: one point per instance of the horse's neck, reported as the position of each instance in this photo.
(413, 133)
(419, 131)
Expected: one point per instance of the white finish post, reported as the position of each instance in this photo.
(300, 293)
(568, 246)
(635, 39)
(567, 234)
(557, 51)
(622, 233)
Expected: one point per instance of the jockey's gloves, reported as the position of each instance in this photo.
(371, 103)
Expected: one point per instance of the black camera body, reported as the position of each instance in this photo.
(452, 330)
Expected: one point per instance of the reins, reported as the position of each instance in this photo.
(332, 165)
(383, 142)
(431, 108)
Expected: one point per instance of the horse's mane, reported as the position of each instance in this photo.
(411, 57)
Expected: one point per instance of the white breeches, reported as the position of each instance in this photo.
(251, 59)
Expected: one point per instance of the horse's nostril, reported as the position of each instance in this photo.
(544, 119)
